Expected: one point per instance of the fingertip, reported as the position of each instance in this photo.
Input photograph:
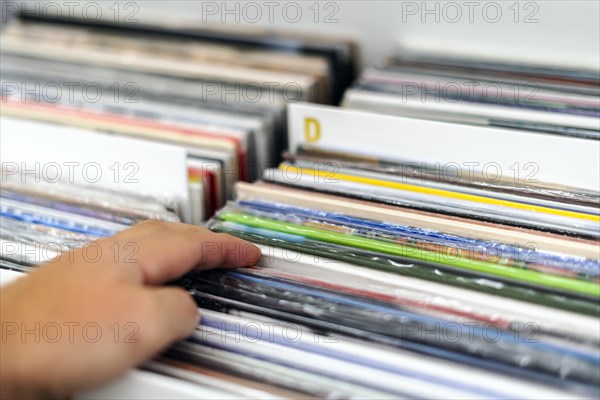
(247, 255)
(227, 251)
(255, 255)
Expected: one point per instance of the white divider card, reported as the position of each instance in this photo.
(517, 155)
(58, 153)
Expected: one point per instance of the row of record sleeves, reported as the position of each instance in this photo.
(532, 98)
(407, 266)
(360, 295)
(402, 257)
(220, 95)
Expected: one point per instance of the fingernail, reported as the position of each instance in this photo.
(258, 253)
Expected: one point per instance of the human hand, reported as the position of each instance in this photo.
(93, 313)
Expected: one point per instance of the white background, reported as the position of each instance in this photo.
(550, 32)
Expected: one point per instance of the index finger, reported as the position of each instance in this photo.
(165, 251)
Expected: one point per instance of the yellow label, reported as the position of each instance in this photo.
(312, 135)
